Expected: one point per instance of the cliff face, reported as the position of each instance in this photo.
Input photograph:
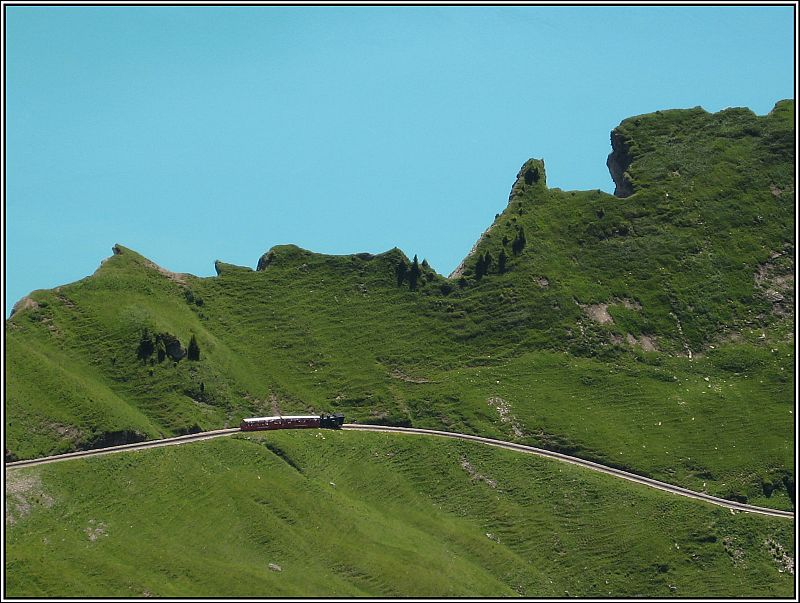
(618, 162)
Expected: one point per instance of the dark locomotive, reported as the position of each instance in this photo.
(292, 422)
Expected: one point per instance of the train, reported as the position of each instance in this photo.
(334, 421)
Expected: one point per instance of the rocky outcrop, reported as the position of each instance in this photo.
(223, 268)
(460, 268)
(265, 260)
(173, 346)
(165, 344)
(618, 162)
(24, 304)
(531, 174)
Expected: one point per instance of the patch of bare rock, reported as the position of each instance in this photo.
(95, 530)
(24, 490)
(26, 303)
(780, 556)
(67, 432)
(775, 281)
(646, 342)
(503, 408)
(398, 374)
(599, 312)
(474, 474)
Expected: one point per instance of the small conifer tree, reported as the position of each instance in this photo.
(161, 349)
(482, 265)
(401, 271)
(146, 345)
(413, 274)
(193, 352)
(519, 242)
(501, 261)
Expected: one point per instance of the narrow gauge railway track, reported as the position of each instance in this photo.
(645, 481)
(183, 439)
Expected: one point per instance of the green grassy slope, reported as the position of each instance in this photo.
(653, 332)
(360, 514)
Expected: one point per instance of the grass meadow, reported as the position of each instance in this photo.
(326, 513)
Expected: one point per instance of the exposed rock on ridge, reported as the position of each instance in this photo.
(225, 268)
(24, 304)
(618, 162)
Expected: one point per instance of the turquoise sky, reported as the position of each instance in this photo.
(194, 134)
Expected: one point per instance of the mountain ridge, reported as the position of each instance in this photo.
(581, 294)
(618, 162)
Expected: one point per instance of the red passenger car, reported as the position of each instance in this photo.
(285, 422)
(291, 422)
